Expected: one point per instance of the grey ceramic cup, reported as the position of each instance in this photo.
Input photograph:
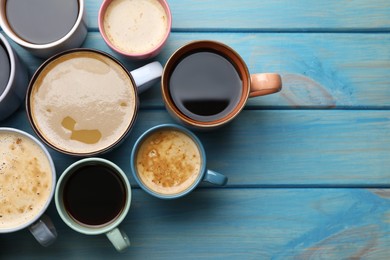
(74, 38)
(15, 90)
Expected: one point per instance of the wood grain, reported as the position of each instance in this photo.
(279, 148)
(318, 70)
(234, 224)
(308, 167)
(280, 15)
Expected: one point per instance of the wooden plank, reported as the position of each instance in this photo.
(279, 147)
(233, 224)
(282, 15)
(318, 70)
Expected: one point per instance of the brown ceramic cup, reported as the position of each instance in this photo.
(206, 84)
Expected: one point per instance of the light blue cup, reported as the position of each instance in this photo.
(204, 174)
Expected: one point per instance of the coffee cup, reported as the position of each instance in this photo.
(135, 29)
(84, 102)
(44, 27)
(93, 197)
(13, 79)
(27, 183)
(168, 161)
(206, 84)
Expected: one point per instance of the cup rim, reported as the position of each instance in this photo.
(198, 45)
(85, 229)
(136, 55)
(6, 28)
(42, 137)
(139, 142)
(53, 172)
(11, 56)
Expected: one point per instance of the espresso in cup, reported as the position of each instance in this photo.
(93, 196)
(82, 102)
(26, 183)
(102, 202)
(168, 161)
(41, 21)
(214, 89)
(206, 84)
(136, 29)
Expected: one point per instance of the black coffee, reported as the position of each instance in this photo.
(94, 195)
(205, 86)
(41, 21)
(5, 68)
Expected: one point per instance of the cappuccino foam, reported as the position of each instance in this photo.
(25, 180)
(168, 162)
(135, 26)
(83, 102)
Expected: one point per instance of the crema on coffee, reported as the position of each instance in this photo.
(82, 102)
(25, 180)
(168, 162)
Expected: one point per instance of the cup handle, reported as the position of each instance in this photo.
(264, 84)
(44, 231)
(215, 178)
(147, 75)
(119, 239)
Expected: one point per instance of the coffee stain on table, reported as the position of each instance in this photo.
(85, 136)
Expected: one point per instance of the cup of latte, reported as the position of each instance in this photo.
(84, 102)
(27, 184)
(168, 161)
(135, 29)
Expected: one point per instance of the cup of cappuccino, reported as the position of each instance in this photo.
(135, 29)
(27, 183)
(44, 27)
(93, 197)
(206, 84)
(168, 161)
(13, 79)
(84, 102)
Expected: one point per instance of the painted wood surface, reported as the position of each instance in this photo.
(308, 167)
(235, 224)
(319, 70)
(279, 147)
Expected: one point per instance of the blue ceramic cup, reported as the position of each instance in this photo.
(168, 161)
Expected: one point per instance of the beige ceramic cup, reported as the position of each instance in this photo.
(206, 84)
(135, 29)
(61, 25)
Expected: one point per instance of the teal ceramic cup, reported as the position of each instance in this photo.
(93, 197)
(168, 161)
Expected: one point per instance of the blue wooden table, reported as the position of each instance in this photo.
(308, 168)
